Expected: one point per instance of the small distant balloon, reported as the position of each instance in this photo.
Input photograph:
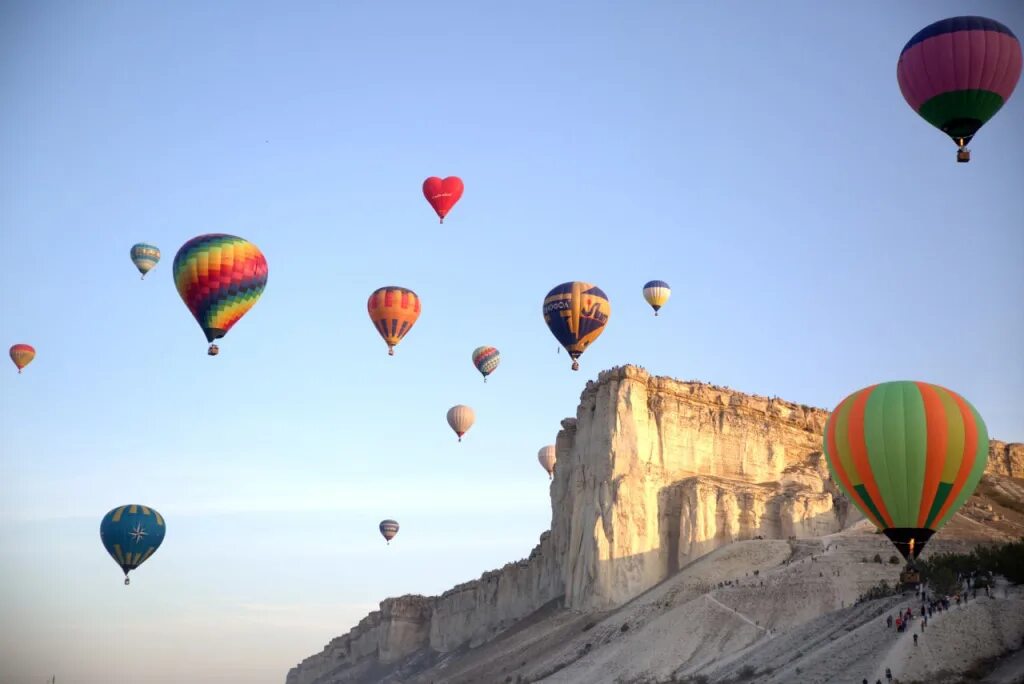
(546, 456)
(576, 313)
(22, 355)
(388, 528)
(657, 292)
(131, 534)
(460, 419)
(145, 257)
(486, 359)
(393, 311)
(442, 193)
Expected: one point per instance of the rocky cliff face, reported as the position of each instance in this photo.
(651, 474)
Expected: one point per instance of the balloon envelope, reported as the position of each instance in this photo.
(393, 311)
(958, 72)
(131, 534)
(486, 359)
(388, 528)
(219, 277)
(460, 419)
(657, 292)
(546, 456)
(22, 355)
(145, 257)
(908, 454)
(442, 193)
(576, 314)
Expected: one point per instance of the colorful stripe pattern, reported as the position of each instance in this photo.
(576, 314)
(393, 310)
(145, 257)
(388, 528)
(657, 292)
(22, 355)
(486, 359)
(958, 72)
(219, 277)
(908, 454)
(131, 534)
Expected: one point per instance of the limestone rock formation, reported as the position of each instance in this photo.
(653, 473)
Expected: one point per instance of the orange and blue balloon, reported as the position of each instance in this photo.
(131, 534)
(576, 314)
(486, 359)
(219, 277)
(22, 355)
(958, 72)
(145, 257)
(393, 311)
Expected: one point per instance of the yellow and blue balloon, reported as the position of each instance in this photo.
(657, 292)
(131, 534)
(576, 314)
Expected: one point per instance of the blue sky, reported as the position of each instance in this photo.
(817, 234)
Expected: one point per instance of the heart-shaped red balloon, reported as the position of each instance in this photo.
(442, 193)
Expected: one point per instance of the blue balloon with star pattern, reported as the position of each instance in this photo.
(131, 534)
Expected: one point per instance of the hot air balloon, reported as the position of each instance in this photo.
(486, 359)
(657, 292)
(442, 193)
(145, 257)
(393, 310)
(546, 456)
(908, 454)
(957, 73)
(388, 528)
(576, 314)
(22, 355)
(131, 534)
(219, 277)
(461, 418)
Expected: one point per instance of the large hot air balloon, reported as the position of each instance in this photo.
(576, 314)
(219, 277)
(393, 310)
(461, 418)
(657, 292)
(131, 534)
(388, 528)
(145, 257)
(22, 355)
(442, 193)
(546, 456)
(908, 454)
(486, 359)
(957, 73)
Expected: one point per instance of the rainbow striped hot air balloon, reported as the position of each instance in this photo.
(393, 311)
(486, 359)
(576, 313)
(957, 73)
(219, 277)
(145, 257)
(22, 355)
(908, 454)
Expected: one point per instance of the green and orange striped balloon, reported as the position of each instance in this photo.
(908, 454)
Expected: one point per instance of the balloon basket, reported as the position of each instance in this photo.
(575, 365)
(391, 351)
(963, 155)
(127, 581)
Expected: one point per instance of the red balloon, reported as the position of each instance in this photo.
(442, 193)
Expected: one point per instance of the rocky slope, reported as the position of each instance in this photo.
(652, 474)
